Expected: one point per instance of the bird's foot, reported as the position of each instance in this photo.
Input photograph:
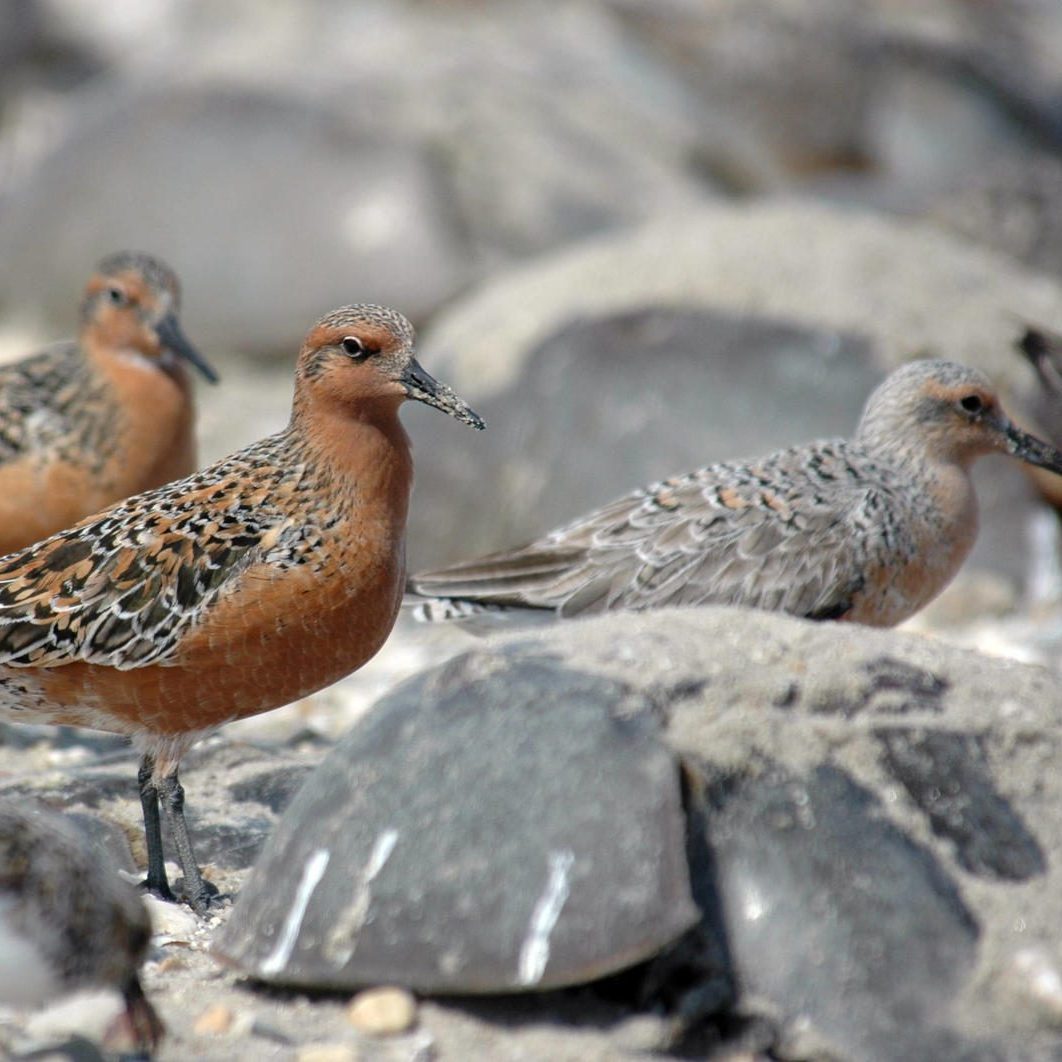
(200, 896)
(160, 891)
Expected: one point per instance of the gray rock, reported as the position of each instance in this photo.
(947, 775)
(835, 911)
(281, 188)
(477, 832)
(890, 883)
(869, 813)
(273, 789)
(903, 287)
(732, 331)
(868, 91)
(192, 174)
(107, 837)
(1013, 206)
(76, 786)
(552, 125)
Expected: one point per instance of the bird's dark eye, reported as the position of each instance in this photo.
(116, 295)
(972, 403)
(355, 348)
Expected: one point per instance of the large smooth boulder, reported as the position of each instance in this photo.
(477, 836)
(872, 831)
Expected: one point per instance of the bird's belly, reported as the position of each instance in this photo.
(237, 663)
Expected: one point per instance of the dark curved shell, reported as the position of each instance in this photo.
(493, 825)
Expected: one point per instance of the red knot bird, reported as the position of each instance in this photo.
(867, 529)
(250, 584)
(67, 920)
(88, 422)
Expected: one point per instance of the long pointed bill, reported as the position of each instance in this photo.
(1029, 448)
(421, 385)
(175, 341)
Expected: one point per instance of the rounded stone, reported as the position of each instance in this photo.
(384, 1011)
(216, 1020)
(327, 1053)
(488, 827)
(372, 220)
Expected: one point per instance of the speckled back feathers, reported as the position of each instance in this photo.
(121, 589)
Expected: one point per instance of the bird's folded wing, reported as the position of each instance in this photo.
(121, 588)
(37, 396)
(686, 541)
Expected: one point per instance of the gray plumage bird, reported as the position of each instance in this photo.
(867, 529)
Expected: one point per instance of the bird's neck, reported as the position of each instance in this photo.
(155, 418)
(938, 493)
(363, 445)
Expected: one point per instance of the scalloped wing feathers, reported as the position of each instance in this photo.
(122, 588)
(764, 535)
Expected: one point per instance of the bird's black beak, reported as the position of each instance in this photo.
(1042, 348)
(1030, 448)
(421, 385)
(175, 341)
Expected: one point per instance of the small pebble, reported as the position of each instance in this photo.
(174, 923)
(257, 1027)
(327, 1053)
(216, 1020)
(385, 1011)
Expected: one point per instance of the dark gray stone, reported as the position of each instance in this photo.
(634, 396)
(835, 910)
(839, 920)
(107, 837)
(1013, 205)
(486, 828)
(888, 687)
(828, 88)
(230, 845)
(273, 789)
(948, 776)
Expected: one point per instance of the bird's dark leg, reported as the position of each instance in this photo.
(171, 797)
(144, 1022)
(149, 802)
